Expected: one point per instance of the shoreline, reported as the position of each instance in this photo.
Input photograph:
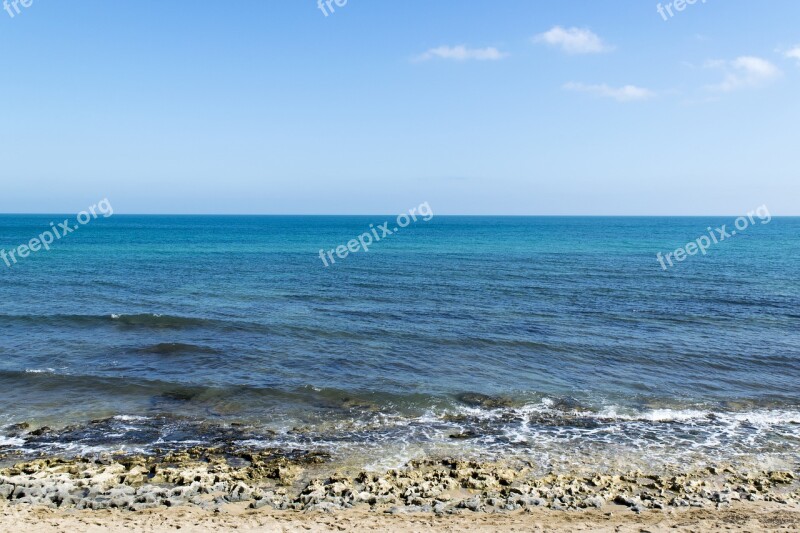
(214, 488)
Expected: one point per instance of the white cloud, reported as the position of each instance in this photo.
(573, 40)
(744, 72)
(627, 93)
(794, 53)
(462, 53)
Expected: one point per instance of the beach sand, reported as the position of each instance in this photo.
(744, 517)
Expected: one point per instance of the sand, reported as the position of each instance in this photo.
(746, 516)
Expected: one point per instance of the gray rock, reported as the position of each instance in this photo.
(239, 493)
(6, 490)
(527, 501)
(121, 502)
(258, 504)
(173, 502)
(324, 507)
(473, 504)
(595, 501)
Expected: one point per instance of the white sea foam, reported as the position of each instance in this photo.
(614, 413)
(11, 441)
(130, 418)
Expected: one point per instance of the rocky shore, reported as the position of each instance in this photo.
(212, 480)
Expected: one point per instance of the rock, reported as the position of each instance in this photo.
(146, 498)
(6, 491)
(595, 501)
(464, 435)
(239, 493)
(258, 504)
(338, 488)
(17, 429)
(568, 404)
(635, 504)
(483, 401)
(473, 504)
(177, 502)
(781, 477)
(529, 501)
(324, 507)
(426, 485)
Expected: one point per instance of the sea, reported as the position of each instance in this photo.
(561, 342)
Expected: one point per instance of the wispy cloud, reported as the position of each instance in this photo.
(627, 93)
(462, 53)
(573, 40)
(793, 53)
(744, 72)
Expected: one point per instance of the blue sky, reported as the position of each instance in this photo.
(479, 107)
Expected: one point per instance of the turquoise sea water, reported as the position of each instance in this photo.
(520, 335)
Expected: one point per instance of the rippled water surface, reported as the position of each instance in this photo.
(528, 336)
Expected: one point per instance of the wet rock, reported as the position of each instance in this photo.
(568, 404)
(16, 430)
(474, 399)
(464, 435)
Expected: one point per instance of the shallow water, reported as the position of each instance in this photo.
(569, 325)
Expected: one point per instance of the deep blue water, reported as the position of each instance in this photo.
(570, 322)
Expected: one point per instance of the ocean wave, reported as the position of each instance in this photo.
(538, 431)
(571, 409)
(142, 320)
(761, 416)
(131, 418)
(159, 321)
(173, 348)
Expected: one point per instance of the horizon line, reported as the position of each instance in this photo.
(380, 215)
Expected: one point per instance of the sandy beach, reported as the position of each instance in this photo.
(745, 517)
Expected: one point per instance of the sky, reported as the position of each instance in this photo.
(476, 107)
